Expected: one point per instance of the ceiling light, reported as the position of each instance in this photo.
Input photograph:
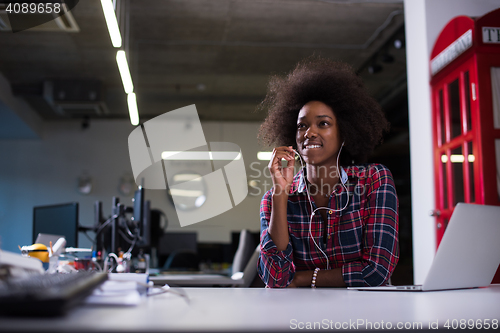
(121, 60)
(132, 109)
(110, 16)
(185, 193)
(187, 177)
(399, 43)
(264, 155)
(200, 155)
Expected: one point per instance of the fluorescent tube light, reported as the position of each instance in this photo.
(121, 60)
(132, 109)
(186, 177)
(200, 155)
(110, 16)
(185, 193)
(264, 155)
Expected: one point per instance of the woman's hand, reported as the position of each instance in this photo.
(282, 177)
(301, 279)
(325, 278)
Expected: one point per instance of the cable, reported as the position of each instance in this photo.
(166, 289)
(97, 264)
(131, 246)
(130, 241)
(127, 229)
(125, 237)
(107, 260)
(161, 290)
(102, 226)
(88, 237)
(314, 210)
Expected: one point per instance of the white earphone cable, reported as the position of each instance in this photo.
(314, 210)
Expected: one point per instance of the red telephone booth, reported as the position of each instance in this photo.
(465, 82)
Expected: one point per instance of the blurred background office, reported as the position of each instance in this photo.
(65, 117)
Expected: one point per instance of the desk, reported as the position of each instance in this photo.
(273, 310)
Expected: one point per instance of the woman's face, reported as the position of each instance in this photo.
(318, 137)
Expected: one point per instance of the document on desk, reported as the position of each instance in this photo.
(116, 293)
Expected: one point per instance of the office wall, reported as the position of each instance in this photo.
(45, 171)
(18, 119)
(424, 20)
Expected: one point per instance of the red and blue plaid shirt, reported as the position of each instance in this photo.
(362, 238)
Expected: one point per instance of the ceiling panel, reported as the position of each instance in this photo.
(217, 54)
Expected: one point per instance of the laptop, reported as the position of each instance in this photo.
(468, 255)
(45, 239)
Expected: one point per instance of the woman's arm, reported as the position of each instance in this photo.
(325, 278)
(275, 267)
(380, 247)
(278, 225)
(282, 178)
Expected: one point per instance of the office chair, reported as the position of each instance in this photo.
(250, 272)
(244, 251)
(245, 259)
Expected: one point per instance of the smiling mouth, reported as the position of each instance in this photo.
(312, 146)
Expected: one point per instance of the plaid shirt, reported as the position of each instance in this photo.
(362, 238)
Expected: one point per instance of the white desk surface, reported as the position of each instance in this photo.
(274, 310)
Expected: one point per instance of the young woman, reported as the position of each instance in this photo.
(335, 222)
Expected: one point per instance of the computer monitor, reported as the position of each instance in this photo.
(98, 217)
(138, 205)
(125, 221)
(61, 219)
(142, 217)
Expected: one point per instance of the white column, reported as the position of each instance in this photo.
(424, 20)
(419, 107)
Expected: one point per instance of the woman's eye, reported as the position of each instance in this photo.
(324, 123)
(300, 125)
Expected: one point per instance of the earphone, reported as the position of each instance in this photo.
(343, 180)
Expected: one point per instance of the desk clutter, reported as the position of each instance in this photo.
(47, 278)
(54, 274)
(27, 289)
(47, 294)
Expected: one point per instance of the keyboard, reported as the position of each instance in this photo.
(47, 294)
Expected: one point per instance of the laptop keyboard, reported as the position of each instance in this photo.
(47, 294)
